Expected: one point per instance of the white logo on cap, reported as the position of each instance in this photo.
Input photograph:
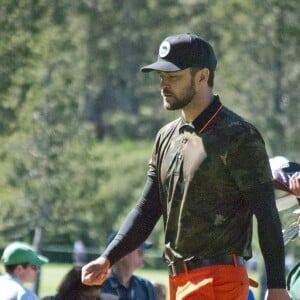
(164, 49)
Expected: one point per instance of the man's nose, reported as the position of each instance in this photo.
(164, 82)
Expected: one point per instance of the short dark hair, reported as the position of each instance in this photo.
(211, 75)
(11, 268)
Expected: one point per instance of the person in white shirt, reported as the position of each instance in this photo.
(21, 265)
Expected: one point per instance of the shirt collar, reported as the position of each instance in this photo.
(203, 118)
(11, 277)
(115, 281)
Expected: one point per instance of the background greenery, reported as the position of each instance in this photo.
(77, 118)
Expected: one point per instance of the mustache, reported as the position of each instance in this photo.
(166, 92)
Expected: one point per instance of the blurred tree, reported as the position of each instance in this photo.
(257, 46)
(118, 38)
(21, 24)
(49, 115)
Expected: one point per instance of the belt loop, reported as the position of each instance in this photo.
(234, 260)
(173, 269)
(186, 270)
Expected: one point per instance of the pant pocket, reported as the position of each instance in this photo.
(195, 291)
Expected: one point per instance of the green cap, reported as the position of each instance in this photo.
(19, 253)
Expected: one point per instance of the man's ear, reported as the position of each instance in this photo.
(203, 75)
(18, 270)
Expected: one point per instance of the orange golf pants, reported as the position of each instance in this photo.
(221, 282)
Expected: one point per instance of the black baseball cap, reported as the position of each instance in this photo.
(144, 245)
(179, 52)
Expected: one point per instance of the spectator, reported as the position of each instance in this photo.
(286, 176)
(21, 265)
(123, 283)
(79, 253)
(71, 288)
(290, 175)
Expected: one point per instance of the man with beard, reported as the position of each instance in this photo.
(208, 175)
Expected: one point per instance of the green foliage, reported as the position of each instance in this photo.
(67, 190)
(20, 24)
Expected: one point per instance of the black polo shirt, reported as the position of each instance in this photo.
(202, 170)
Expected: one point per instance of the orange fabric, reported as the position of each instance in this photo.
(222, 282)
(214, 115)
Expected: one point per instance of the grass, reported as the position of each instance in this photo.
(50, 277)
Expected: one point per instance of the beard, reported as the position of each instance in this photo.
(175, 102)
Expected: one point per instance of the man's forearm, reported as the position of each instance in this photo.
(262, 203)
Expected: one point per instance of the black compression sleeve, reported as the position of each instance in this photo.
(262, 203)
(138, 224)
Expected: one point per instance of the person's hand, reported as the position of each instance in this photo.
(95, 272)
(294, 184)
(297, 212)
(277, 294)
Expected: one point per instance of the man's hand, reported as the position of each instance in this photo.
(277, 294)
(294, 184)
(95, 272)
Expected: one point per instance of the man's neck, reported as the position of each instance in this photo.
(123, 275)
(196, 107)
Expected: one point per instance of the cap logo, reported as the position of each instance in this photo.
(164, 49)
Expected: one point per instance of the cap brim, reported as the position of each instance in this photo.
(39, 260)
(163, 66)
(292, 168)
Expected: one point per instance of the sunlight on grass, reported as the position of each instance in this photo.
(51, 276)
